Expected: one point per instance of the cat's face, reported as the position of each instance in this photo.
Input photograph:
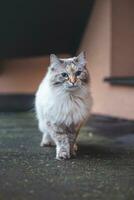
(71, 73)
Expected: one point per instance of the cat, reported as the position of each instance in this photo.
(63, 102)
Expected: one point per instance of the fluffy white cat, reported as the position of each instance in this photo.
(63, 102)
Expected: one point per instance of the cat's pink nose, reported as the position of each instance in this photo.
(72, 79)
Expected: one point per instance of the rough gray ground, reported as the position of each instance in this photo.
(103, 169)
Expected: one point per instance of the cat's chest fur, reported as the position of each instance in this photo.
(64, 107)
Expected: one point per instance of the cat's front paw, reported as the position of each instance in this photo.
(62, 154)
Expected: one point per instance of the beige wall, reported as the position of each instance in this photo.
(122, 38)
(97, 41)
(22, 75)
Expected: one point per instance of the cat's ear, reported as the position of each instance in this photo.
(54, 59)
(82, 58)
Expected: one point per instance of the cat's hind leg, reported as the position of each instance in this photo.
(46, 140)
(74, 149)
(74, 146)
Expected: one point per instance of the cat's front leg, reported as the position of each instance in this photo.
(59, 136)
(62, 147)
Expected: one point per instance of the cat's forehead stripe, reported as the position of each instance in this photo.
(71, 67)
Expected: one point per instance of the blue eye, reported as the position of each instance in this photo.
(78, 73)
(64, 74)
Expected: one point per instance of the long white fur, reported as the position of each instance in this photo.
(60, 106)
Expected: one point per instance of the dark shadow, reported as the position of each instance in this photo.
(103, 152)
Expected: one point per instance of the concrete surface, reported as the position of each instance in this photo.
(102, 170)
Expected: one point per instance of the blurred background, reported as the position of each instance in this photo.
(31, 30)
